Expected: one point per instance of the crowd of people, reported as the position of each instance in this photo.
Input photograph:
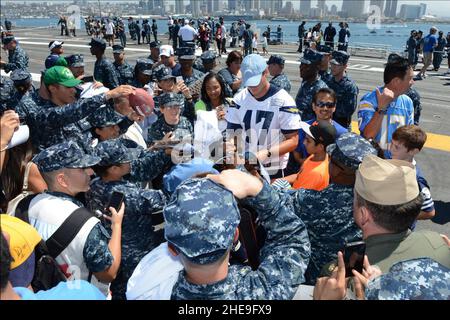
(170, 180)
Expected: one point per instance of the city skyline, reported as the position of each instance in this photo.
(438, 8)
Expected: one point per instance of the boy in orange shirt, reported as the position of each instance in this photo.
(314, 171)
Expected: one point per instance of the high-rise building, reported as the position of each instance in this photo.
(232, 5)
(213, 6)
(409, 11)
(333, 10)
(321, 4)
(195, 8)
(305, 7)
(353, 8)
(423, 9)
(179, 7)
(378, 3)
(391, 8)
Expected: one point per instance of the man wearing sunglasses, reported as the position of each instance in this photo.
(324, 106)
(383, 110)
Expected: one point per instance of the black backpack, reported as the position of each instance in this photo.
(47, 273)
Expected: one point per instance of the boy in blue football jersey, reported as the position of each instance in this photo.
(383, 110)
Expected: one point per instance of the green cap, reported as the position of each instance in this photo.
(60, 75)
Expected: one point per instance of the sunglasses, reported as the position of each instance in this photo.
(328, 105)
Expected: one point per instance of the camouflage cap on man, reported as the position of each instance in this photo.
(276, 59)
(201, 220)
(339, 58)
(104, 117)
(113, 152)
(186, 53)
(350, 150)
(117, 48)
(97, 42)
(415, 279)
(208, 56)
(7, 39)
(161, 72)
(144, 66)
(20, 77)
(171, 99)
(64, 155)
(75, 60)
(311, 57)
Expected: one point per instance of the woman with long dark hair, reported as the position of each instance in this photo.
(211, 112)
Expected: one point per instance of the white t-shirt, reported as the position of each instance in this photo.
(187, 33)
(110, 28)
(264, 122)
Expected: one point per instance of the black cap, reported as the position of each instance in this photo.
(155, 44)
(321, 131)
(276, 59)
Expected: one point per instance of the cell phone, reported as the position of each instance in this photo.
(354, 257)
(179, 79)
(115, 201)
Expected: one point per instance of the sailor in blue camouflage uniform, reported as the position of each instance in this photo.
(107, 124)
(415, 279)
(154, 52)
(328, 214)
(186, 58)
(160, 128)
(124, 70)
(104, 70)
(207, 62)
(96, 253)
(22, 101)
(62, 121)
(17, 57)
(344, 87)
(7, 90)
(324, 67)
(415, 97)
(279, 79)
(201, 221)
(312, 82)
(75, 63)
(139, 234)
(142, 73)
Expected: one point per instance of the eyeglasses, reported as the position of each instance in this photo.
(328, 105)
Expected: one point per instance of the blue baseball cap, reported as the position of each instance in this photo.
(252, 69)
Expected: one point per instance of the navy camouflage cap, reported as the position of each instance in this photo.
(323, 49)
(104, 117)
(114, 151)
(339, 57)
(186, 53)
(6, 40)
(64, 155)
(75, 60)
(208, 56)
(96, 42)
(311, 57)
(350, 149)
(117, 48)
(171, 99)
(276, 58)
(155, 44)
(144, 66)
(161, 72)
(20, 76)
(201, 219)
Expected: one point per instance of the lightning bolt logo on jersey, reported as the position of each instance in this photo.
(399, 113)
